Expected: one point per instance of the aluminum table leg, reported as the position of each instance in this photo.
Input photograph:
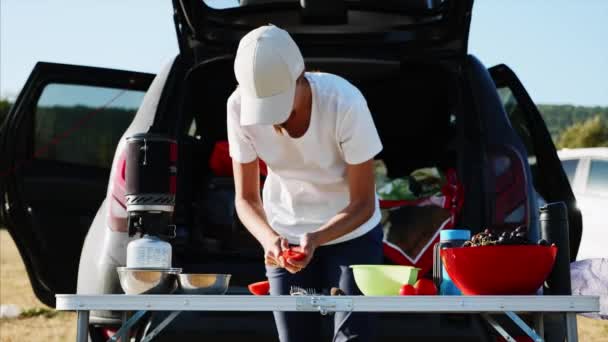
(161, 326)
(126, 326)
(125, 334)
(571, 327)
(539, 324)
(498, 328)
(523, 326)
(82, 326)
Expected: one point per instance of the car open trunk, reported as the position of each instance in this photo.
(415, 107)
(207, 28)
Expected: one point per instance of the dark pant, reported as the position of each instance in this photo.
(328, 268)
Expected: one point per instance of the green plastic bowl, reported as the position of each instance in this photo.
(383, 280)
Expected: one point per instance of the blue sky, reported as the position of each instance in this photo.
(558, 49)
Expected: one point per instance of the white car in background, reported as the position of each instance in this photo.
(587, 170)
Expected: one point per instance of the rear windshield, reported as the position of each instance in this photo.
(404, 4)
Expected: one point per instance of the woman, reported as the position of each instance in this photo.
(318, 139)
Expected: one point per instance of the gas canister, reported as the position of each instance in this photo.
(149, 252)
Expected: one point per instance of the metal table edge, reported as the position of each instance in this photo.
(430, 304)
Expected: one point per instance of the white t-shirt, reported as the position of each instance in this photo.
(306, 184)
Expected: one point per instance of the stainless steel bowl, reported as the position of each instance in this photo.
(200, 283)
(148, 280)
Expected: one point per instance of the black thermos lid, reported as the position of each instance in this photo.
(556, 211)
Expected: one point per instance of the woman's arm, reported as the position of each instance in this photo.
(249, 208)
(361, 207)
(359, 142)
(248, 202)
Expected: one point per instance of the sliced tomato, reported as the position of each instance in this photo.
(261, 288)
(291, 254)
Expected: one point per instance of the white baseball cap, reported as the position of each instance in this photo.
(268, 62)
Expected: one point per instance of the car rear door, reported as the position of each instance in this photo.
(329, 28)
(550, 180)
(57, 145)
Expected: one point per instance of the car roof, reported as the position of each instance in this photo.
(597, 152)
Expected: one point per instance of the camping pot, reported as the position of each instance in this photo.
(151, 170)
(150, 176)
(148, 252)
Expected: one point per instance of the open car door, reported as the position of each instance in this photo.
(550, 180)
(57, 146)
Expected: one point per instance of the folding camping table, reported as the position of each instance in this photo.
(486, 306)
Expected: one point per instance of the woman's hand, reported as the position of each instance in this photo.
(308, 245)
(273, 249)
(273, 254)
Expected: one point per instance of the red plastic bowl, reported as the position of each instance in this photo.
(499, 270)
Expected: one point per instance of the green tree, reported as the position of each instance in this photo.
(560, 117)
(590, 133)
(4, 107)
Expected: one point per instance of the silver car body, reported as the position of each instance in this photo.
(591, 200)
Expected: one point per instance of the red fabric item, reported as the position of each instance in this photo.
(387, 204)
(453, 199)
(221, 163)
(173, 152)
(173, 184)
(425, 263)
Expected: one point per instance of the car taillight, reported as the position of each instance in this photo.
(122, 164)
(116, 202)
(107, 333)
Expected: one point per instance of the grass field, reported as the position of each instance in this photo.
(51, 326)
(15, 288)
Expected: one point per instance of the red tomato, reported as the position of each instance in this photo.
(291, 254)
(261, 288)
(425, 287)
(407, 290)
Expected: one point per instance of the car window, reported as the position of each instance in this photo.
(192, 129)
(82, 124)
(597, 183)
(570, 166)
(222, 4)
(517, 118)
